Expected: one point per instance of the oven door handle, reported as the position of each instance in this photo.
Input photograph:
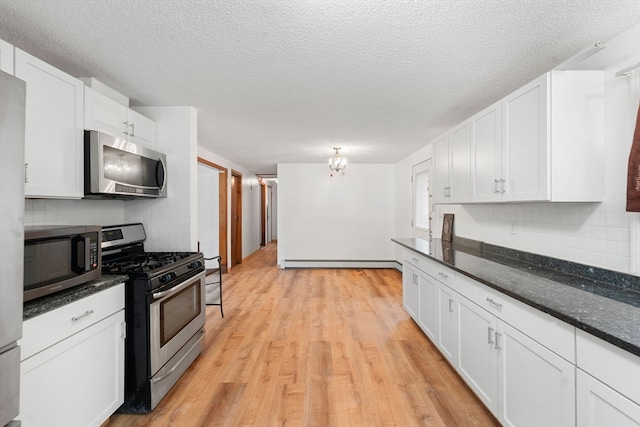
(168, 292)
(174, 367)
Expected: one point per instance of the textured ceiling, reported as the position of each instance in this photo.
(277, 81)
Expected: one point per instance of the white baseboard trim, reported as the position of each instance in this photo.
(317, 263)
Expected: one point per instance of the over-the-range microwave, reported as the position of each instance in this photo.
(117, 168)
(60, 257)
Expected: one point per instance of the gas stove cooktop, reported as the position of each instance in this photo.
(147, 262)
(123, 253)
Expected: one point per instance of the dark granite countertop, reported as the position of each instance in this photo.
(603, 303)
(47, 303)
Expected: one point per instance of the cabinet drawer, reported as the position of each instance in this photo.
(416, 260)
(614, 366)
(49, 328)
(552, 333)
(432, 268)
(440, 272)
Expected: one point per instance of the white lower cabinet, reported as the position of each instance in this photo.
(600, 405)
(448, 331)
(536, 387)
(428, 310)
(79, 379)
(477, 360)
(410, 290)
(518, 379)
(608, 384)
(521, 380)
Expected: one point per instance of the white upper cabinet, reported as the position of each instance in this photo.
(451, 153)
(543, 142)
(6, 57)
(553, 139)
(459, 148)
(486, 154)
(142, 130)
(53, 129)
(441, 163)
(103, 114)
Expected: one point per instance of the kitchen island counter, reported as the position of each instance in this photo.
(603, 303)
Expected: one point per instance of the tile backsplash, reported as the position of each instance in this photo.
(587, 233)
(73, 212)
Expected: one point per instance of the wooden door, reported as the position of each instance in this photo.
(236, 218)
(263, 214)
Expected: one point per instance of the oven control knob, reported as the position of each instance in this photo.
(195, 264)
(168, 277)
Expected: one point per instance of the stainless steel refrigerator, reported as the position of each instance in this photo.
(12, 102)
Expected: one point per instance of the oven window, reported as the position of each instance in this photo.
(178, 311)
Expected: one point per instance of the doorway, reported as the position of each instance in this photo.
(263, 214)
(422, 209)
(267, 210)
(236, 218)
(207, 198)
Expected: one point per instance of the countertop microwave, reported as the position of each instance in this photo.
(58, 258)
(117, 168)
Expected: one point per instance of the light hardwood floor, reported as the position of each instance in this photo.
(314, 347)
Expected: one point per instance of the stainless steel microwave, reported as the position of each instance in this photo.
(58, 258)
(117, 168)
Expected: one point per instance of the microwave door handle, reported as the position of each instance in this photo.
(81, 258)
(161, 174)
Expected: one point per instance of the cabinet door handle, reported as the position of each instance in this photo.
(498, 346)
(415, 279)
(82, 316)
(444, 276)
(495, 186)
(502, 186)
(133, 129)
(126, 128)
(123, 329)
(450, 305)
(495, 304)
(26, 173)
(490, 331)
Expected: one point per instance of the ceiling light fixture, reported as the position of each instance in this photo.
(337, 163)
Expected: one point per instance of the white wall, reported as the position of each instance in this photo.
(171, 223)
(340, 218)
(598, 234)
(250, 203)
(209, 212)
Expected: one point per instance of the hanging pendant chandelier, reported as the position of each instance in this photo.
(337, 163)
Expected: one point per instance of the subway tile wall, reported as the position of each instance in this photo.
(588, 233)
(73, 212)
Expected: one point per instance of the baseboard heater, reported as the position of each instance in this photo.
(337, 263)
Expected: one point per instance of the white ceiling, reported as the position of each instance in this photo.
(279, 81)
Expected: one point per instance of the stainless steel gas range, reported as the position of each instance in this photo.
(164, 311)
